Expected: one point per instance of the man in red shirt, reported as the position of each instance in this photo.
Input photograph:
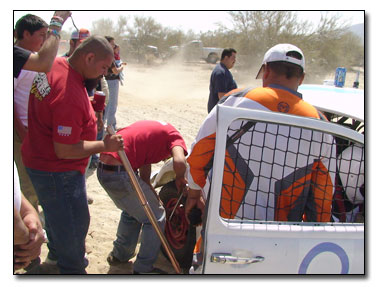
(60, 140)
(145, 143)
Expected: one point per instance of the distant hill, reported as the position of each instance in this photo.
(358, 30)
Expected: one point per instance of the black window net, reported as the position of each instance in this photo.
(282, 173)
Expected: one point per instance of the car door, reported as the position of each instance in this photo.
(243, 246)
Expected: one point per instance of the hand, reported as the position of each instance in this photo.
(113, 143)
(63, 14)
(181, 185)
(24, 253)
(194, 199)
(19, 265)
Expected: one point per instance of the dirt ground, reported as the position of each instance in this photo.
(174, 93)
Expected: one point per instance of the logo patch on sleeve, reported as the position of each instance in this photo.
(64, 131)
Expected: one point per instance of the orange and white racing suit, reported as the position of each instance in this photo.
(272, 172)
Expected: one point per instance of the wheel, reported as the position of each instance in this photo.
(180, 235)
(212, 59)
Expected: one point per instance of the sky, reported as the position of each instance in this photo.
(198, 21)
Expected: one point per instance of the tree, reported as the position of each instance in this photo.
(144, 32)
(106, 27)
(326, 46)
(257, 31)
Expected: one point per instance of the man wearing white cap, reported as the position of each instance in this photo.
(268, 194)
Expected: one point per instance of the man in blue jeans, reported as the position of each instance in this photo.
(60, 139)
(145, 143)
(113, 82)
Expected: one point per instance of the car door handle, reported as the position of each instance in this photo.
(227, 258)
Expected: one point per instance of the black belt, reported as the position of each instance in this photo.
(108, 167)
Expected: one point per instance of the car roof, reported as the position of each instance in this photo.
(343, 101)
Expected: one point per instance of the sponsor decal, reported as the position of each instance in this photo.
(64, 131)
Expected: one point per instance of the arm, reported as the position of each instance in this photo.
(20, 129)
(200, 157)
(82, 149)
(117, 70)
(145, 172)
(220, 95)
(194, 199)
(21, 233)
(42, 61)
(180, 166)
(26, 251)
(100, 124)
(105, 89)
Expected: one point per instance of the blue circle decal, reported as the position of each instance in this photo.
(325, 247)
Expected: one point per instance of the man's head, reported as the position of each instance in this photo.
(93, 57)
(31, 32)
(77, 37)
(282, 64)
(111, 40)
(228, 57)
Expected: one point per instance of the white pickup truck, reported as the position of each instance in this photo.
(241, 245)
(195, 50)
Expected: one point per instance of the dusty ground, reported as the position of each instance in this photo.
(175, 93)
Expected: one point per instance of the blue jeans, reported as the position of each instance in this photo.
(133, 219)
(63, 198)
(109, 117)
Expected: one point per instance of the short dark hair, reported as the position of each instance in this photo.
(287, 69)
(95, 44)
(227, 53)
(109, 38)
(30, 23)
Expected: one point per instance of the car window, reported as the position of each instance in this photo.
(280, 173)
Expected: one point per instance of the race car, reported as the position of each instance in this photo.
(242, 244)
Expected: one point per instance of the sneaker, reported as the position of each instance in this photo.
(154, 271)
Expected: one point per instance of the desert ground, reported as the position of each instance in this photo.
(175, 93)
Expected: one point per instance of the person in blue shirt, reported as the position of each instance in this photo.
(221, 80)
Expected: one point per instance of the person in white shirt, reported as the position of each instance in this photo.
(31, 33)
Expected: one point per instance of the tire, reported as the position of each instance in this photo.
(212, 59)
(184, 252)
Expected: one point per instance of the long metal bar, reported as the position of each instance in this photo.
(176, 205)
(145, 205)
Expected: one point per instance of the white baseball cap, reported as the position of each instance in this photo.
(278, 53)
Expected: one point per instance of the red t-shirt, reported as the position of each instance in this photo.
(148, 142)
(59, 111)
